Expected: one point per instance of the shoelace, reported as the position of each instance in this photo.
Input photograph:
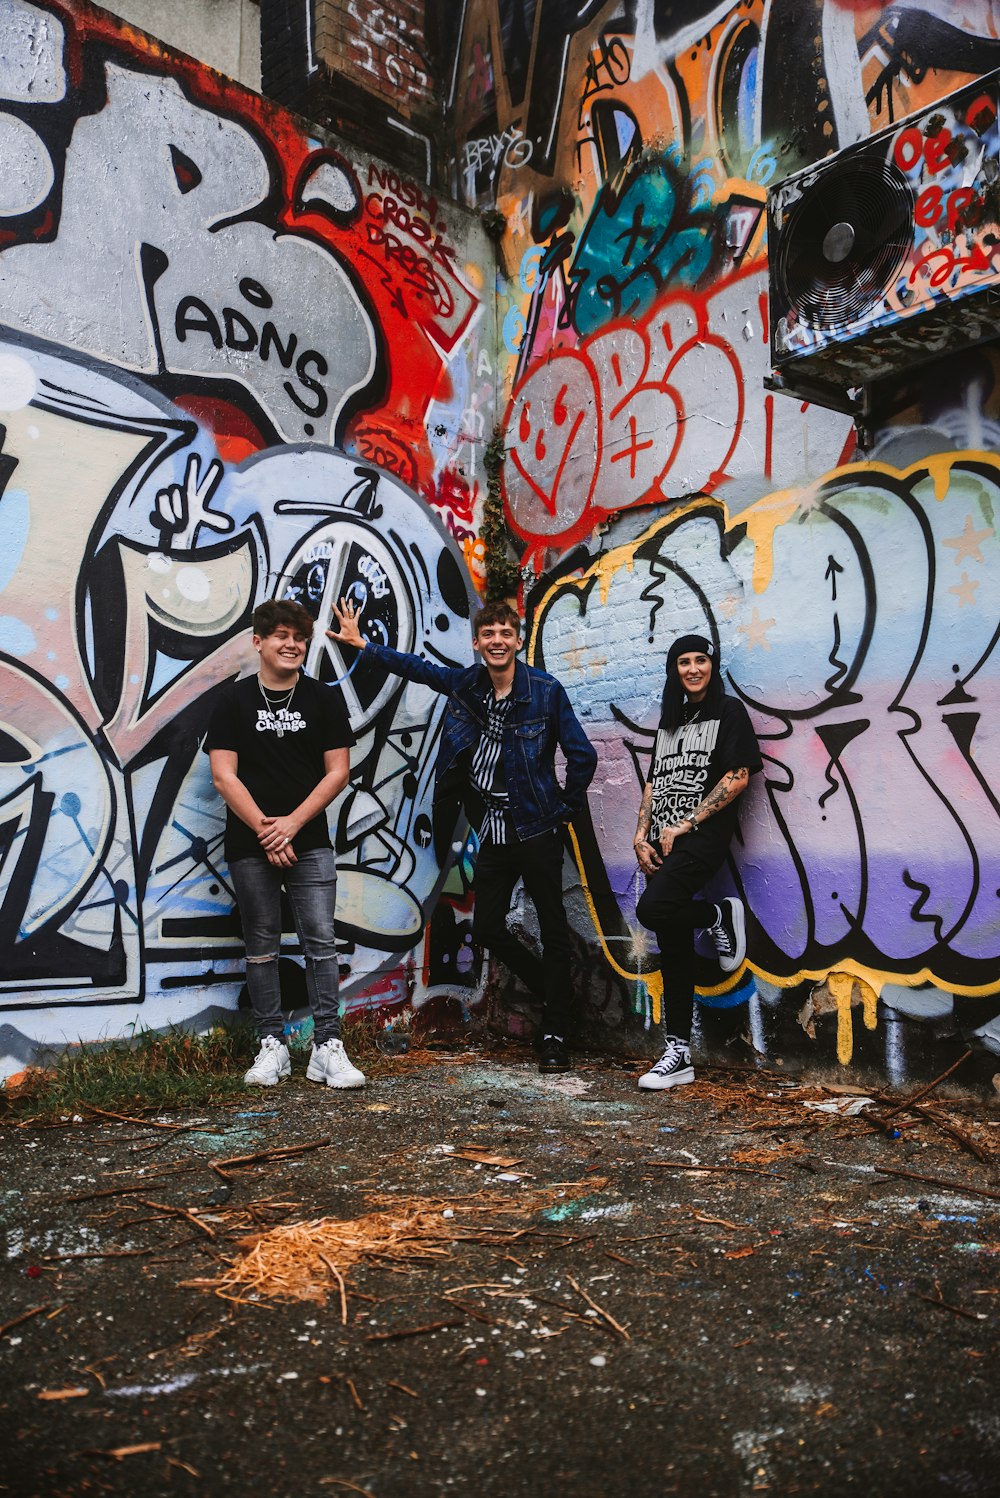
(670, 1057)
(721, 938)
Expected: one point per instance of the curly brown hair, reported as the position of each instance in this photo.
(270, 616)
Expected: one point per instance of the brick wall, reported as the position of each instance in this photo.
(384, 47)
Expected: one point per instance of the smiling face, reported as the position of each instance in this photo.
(498, 644)
(281, 655)
(695, 672)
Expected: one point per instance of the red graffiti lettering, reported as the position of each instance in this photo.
(911, 146)
(642, 412)
(936, 151)
(451, 492)
(928, 207)
(908, 149)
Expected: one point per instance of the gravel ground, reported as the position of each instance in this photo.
(716, 1291)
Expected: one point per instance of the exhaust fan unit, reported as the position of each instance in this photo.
(887, 254)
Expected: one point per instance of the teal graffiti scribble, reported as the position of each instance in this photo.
(639, 241)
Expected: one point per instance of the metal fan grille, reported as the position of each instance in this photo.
(845, 242)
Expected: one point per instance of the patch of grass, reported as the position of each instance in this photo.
(153, 1073)
(166, 1072)
(363, 1035)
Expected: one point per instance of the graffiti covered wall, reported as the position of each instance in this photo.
(234, 363)
(656, 486)
(239, 360)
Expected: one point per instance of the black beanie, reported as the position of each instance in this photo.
(688, 645)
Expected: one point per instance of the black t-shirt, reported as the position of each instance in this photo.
(278, 769)
(691, 760)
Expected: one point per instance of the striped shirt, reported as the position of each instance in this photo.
(488, 774)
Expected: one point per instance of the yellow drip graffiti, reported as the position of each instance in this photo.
(841, 986)
(762, 520)
(939, 467)
(938, 471)
(609, 564)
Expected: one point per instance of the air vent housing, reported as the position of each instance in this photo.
(887, 254)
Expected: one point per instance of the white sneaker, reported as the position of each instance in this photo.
(329, 1063)
(271, 1066)
(729, 935)
(673, 1069)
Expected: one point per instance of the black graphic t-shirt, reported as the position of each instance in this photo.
(278, 769)
(689, 761)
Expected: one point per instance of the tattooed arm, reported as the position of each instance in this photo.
(732, 784)
(646, 851)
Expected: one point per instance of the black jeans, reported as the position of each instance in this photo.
(538, 861)
(668, 908)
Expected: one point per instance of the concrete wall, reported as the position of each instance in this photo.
(235, 361)
(224, 34)
(656, 486)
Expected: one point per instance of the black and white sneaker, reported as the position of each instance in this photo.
(729, 935)
(552, 1056)
(673, 1069)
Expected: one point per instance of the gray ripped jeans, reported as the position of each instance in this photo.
(311, 886)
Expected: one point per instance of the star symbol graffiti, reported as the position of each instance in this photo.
(582, 661)
(965, 591)
(756, 631)
(967, 545)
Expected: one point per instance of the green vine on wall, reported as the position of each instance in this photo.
(502, 573)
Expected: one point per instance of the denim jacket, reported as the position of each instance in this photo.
(540, 720)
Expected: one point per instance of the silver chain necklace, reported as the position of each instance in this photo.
(277, 707)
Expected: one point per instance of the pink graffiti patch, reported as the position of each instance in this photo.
(556, 447)
(610, 425)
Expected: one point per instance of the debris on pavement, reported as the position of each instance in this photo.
(726, 1276)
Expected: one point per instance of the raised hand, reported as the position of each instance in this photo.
(347, 616)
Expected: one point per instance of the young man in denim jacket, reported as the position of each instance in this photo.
(502, 726)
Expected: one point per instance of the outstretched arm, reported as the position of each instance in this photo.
(411, 667)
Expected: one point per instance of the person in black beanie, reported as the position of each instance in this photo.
(705, 752)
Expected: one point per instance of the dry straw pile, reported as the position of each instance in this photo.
(305, 1261)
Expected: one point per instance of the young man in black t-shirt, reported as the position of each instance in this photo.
(278, 743)
(705, 752)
